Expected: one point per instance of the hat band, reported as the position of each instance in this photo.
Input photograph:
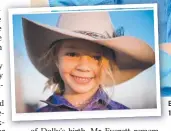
(94, 34)
(119, 32)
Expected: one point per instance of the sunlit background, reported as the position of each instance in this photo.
(137, 93)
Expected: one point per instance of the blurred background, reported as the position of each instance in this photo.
(137, 93)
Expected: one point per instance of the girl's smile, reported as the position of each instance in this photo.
(79, 66)
(82, 80)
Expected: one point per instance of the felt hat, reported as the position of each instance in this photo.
(132, 54)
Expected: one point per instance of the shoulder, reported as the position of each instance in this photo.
(48, 107)
(113, 105)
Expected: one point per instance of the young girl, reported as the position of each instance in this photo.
(81, 57)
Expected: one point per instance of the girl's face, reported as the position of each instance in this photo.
(79, 65)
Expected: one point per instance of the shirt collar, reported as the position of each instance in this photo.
(57, 100)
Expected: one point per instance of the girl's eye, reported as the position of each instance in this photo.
(97, 57)
(72, 54)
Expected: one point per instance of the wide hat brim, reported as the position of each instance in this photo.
(132, 55)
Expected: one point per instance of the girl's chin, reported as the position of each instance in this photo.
(83, 89)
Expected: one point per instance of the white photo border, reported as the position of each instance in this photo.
(84, 114)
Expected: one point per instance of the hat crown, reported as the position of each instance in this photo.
(96, 22)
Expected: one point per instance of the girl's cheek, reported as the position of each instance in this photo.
(104, 69)
(67, 65)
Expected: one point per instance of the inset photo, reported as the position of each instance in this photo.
(84, 62)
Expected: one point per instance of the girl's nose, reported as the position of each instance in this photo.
(83, 64)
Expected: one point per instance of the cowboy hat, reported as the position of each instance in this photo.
(132, 55)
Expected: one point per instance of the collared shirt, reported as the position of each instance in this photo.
(100, 101)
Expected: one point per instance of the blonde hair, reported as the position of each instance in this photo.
(107, 64)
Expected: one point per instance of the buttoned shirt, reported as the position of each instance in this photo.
(100, 101)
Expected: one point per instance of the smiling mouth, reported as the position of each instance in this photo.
(82, 80)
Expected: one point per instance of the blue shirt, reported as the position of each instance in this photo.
(100, 101)
(165, 63)
(164, 11)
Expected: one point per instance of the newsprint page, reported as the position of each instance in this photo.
(81, 65)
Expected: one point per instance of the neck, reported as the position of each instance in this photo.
(80, 100)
